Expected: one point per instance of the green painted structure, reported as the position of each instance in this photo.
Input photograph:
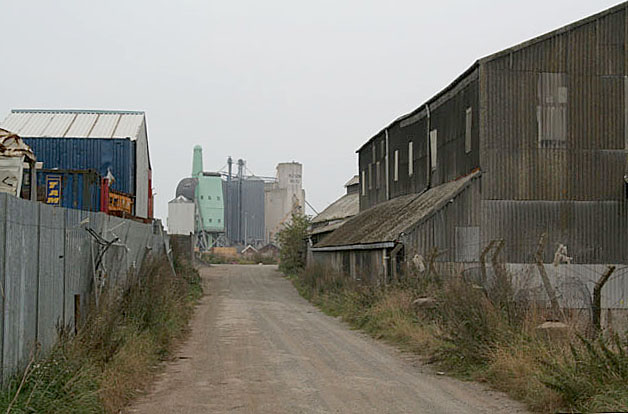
(210, 219)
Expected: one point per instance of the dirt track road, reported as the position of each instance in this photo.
(256, 346)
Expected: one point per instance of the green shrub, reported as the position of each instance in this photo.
(292, 244)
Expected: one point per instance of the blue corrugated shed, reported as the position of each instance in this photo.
(102, 155)
(78, 189)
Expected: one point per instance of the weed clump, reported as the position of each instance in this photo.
(487, 333)
(116, 349)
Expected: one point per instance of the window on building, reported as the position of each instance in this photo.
(467, 132)
(377, 174)
(363, 182)
(396, 170)
(219, 220)
(382, 149)
(410, 159)
(201, 197)
(551, 111)
(209, 220)
(209, 197)
(370, 176)
(433, 148)
(374, 153)
(218, 198)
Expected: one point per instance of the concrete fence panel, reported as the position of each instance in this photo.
(51, 269)
(47, 263)
(3, 216)
(20, 285)
(78, 265)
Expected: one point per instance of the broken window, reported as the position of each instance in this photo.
(396, 172)
(410, 155)
(433, 147)
(551, 113)
(467, 132)
(363, 182)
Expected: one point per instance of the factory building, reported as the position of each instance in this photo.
(112, 143)
(283, 197)
(199, 206)
(234, 208)
(529, 140)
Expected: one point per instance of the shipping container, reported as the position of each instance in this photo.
(77, 189)
(115, 155)
(120, 202)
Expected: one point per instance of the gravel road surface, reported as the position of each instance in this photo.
(256, 346)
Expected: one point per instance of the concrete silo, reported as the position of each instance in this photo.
(283, 197)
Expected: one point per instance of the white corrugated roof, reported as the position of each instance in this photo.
(38, 123)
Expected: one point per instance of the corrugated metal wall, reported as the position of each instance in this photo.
(553, 145)
(90, 153)
(46, 257)
(251, 224)
(453, 230)
(448, 116)
(365, 265)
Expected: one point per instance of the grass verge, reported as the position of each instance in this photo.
(116, 351)
(482, 334)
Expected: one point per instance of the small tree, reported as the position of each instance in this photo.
(292, 244)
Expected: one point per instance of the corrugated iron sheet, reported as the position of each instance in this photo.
(51, 274)
(75, 123)
(20, 283)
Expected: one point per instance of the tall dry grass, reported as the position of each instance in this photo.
(482, 333)
(116, 350)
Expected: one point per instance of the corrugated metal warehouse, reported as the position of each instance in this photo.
(534, 138)
(115, 141)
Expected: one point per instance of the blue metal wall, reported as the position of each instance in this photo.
(117, 155)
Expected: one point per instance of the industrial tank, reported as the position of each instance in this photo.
(187, 188)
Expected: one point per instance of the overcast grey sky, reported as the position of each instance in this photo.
(267, 81)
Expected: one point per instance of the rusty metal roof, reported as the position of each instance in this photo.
(386, 221)
(72, 123)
